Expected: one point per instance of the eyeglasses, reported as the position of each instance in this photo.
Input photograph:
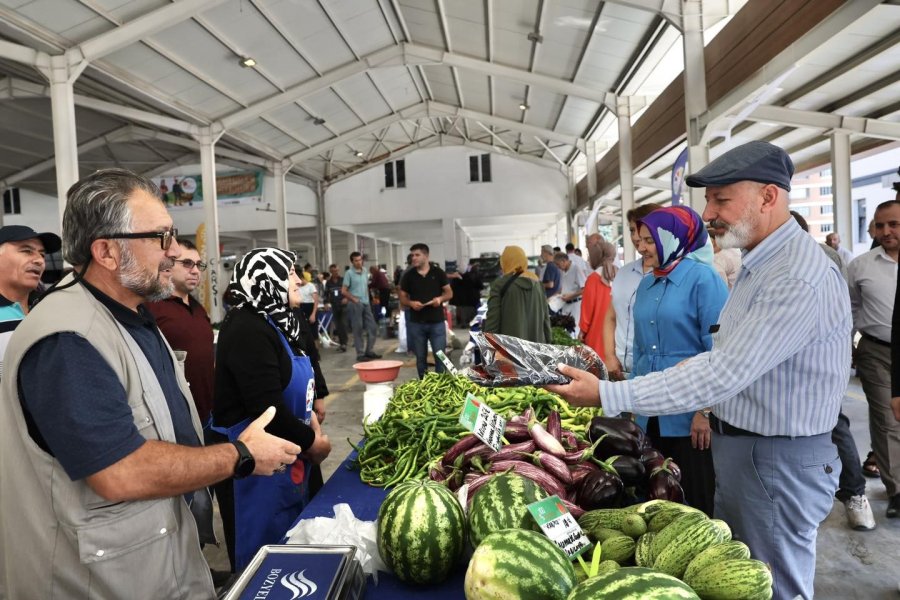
(190, 264)
(165, 237)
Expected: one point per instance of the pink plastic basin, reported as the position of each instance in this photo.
(378, 371)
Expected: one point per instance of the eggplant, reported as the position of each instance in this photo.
(600, 490)
(457, 449)
(602, 425)
(437, 472)
(569, 440)
(514, 451)
(516, 432)
(616, 444)
(545, 480)
(554, 425)
(651, 453)
(553, 465)
(582, 470)
(630, 469)
(574, 510)
(672, 467)
(663, 486)
(544, 440)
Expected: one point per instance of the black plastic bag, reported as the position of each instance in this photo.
(509, 361)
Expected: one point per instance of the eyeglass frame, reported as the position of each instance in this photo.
(201, 266)
(171, 234)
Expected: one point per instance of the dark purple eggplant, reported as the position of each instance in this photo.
(514, 451)
(554, 425)
(672, 467)
(553, 465)
(600, 490)
(581, 470)
(651, 453)
(457, 449)
(616, 444)
(601, 425)
(630, 469)
(569, 440)
(662, 485)
(481, 450)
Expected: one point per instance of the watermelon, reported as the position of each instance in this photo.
(502, 503)
(516, 564)
(421, 531)
(737, 579)
(632, 583)
(731, 549)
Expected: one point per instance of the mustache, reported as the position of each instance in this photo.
(718, 225)
(166, 265)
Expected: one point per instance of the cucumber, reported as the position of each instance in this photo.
(671, 532)
(634, 525)
(643, 557)
(675, 557)
(729, 550)
(737, 579)
(619, 549)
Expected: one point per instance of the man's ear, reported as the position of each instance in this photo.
(106, 253)
(769, 194)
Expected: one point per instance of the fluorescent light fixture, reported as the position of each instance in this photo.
(523, 106)
(248, 62)
(358, 154)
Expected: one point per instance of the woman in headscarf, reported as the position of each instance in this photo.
(597, 294)
(517, 305)
(260, 363)
(673, 312)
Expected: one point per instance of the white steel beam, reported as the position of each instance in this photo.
(448, 109)
(138, 29)
(135, 114)
(655, 184)
(151, 134)
(19, 53)
(551, 152)
(875, 128)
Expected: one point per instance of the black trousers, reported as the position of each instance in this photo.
(698, 477)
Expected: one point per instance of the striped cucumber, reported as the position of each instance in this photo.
(518, 564)
(736, 579)
(643, 557)
(619, 549)
(611, 518)
(726, 529)
(634, 525)
(672, 531)
(674, 558)
(729, 550)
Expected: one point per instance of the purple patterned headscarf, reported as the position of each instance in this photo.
(679, 233)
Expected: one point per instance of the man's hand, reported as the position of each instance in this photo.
(700, 432)
(614, 368)
(319, 408)
(312, 318)
(416, 305)
(895, 406)
(321, 447)
(583, 390)
(269, 452)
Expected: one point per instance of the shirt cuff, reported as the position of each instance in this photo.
(616, 397)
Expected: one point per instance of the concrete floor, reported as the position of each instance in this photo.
(851, 564)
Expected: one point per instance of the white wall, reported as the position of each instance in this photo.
(39, 211)
(437, 187)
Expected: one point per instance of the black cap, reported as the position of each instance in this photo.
(754, 161)
(20, 233)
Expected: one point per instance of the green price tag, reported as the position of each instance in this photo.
(559, 525)
(447, 362)
(487, 425)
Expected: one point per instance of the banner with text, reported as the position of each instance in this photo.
(187, 191)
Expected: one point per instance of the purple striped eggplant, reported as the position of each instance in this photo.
(553, 465)
(548, 482)
(457, 449)
(545, 441)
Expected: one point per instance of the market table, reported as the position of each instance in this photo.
(344, 486)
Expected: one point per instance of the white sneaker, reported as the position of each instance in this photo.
(859, 513)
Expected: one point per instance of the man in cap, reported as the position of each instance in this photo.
(22, 252)
(776, 374)
(551, 277)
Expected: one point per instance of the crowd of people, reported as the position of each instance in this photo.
(729, 340)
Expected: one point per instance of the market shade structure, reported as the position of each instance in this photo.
(338, 87)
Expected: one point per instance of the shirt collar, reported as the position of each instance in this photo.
(771, 244)
(122, 314)
(676, 275)
(4, 301)
(883, 255)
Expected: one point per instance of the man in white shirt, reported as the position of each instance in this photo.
(834, 240)
(571, 286)
(580, 264)
(872, 278)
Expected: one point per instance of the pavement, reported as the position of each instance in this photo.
(850, 565)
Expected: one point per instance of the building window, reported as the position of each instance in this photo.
(862, 226)
(803, 211)
(826, 209)
(395, 174)
(825, 191)
(799, 193)
(11, 203)
(826, 228)
(480, 168)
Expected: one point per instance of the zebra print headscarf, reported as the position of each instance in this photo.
(260, 280)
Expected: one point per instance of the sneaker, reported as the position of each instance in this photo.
(372, 355)
(859, 513)
(893, 510)
(362, 358)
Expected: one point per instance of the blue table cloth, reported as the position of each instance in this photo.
(344, 486)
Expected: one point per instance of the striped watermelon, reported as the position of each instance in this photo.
(502, 503)
(633, 583)
(516, 564)
(421, 531)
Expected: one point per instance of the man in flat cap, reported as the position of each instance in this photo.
(775, 376)
(22, 252)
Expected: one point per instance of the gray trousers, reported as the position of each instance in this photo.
(360, 318)
(774, 492)
(873, 366)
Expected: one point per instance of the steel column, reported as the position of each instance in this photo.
(211, 209)
(626, 171)
(841, 187)
(694, 92)
(65, 136)
(281, 229)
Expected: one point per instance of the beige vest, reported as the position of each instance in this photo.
(58, 538)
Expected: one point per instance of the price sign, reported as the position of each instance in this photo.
(487, 425)
(559, 525)
(447, 362)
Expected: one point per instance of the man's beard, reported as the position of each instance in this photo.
(142, 282)
(738, 235)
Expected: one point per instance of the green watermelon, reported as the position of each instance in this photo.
(516, 564)
(502, 503)
(633, 583)
(421, 531)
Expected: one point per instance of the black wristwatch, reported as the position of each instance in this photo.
(245, 464)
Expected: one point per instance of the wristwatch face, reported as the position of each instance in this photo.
(245, 463)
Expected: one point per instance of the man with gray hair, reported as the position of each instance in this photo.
(99, 461)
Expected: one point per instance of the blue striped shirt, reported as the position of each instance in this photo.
(780, 360)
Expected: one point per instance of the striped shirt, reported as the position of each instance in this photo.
(780, 360)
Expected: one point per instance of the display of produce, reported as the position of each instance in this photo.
(736, 579)
(421, 423)
(421, 531)
(510, 361)
(502, 503)
(561, 337)
(518, 564)
(632, 583)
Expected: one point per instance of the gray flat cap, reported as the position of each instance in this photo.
(754, 161)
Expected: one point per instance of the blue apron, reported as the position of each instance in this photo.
(264, 507)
